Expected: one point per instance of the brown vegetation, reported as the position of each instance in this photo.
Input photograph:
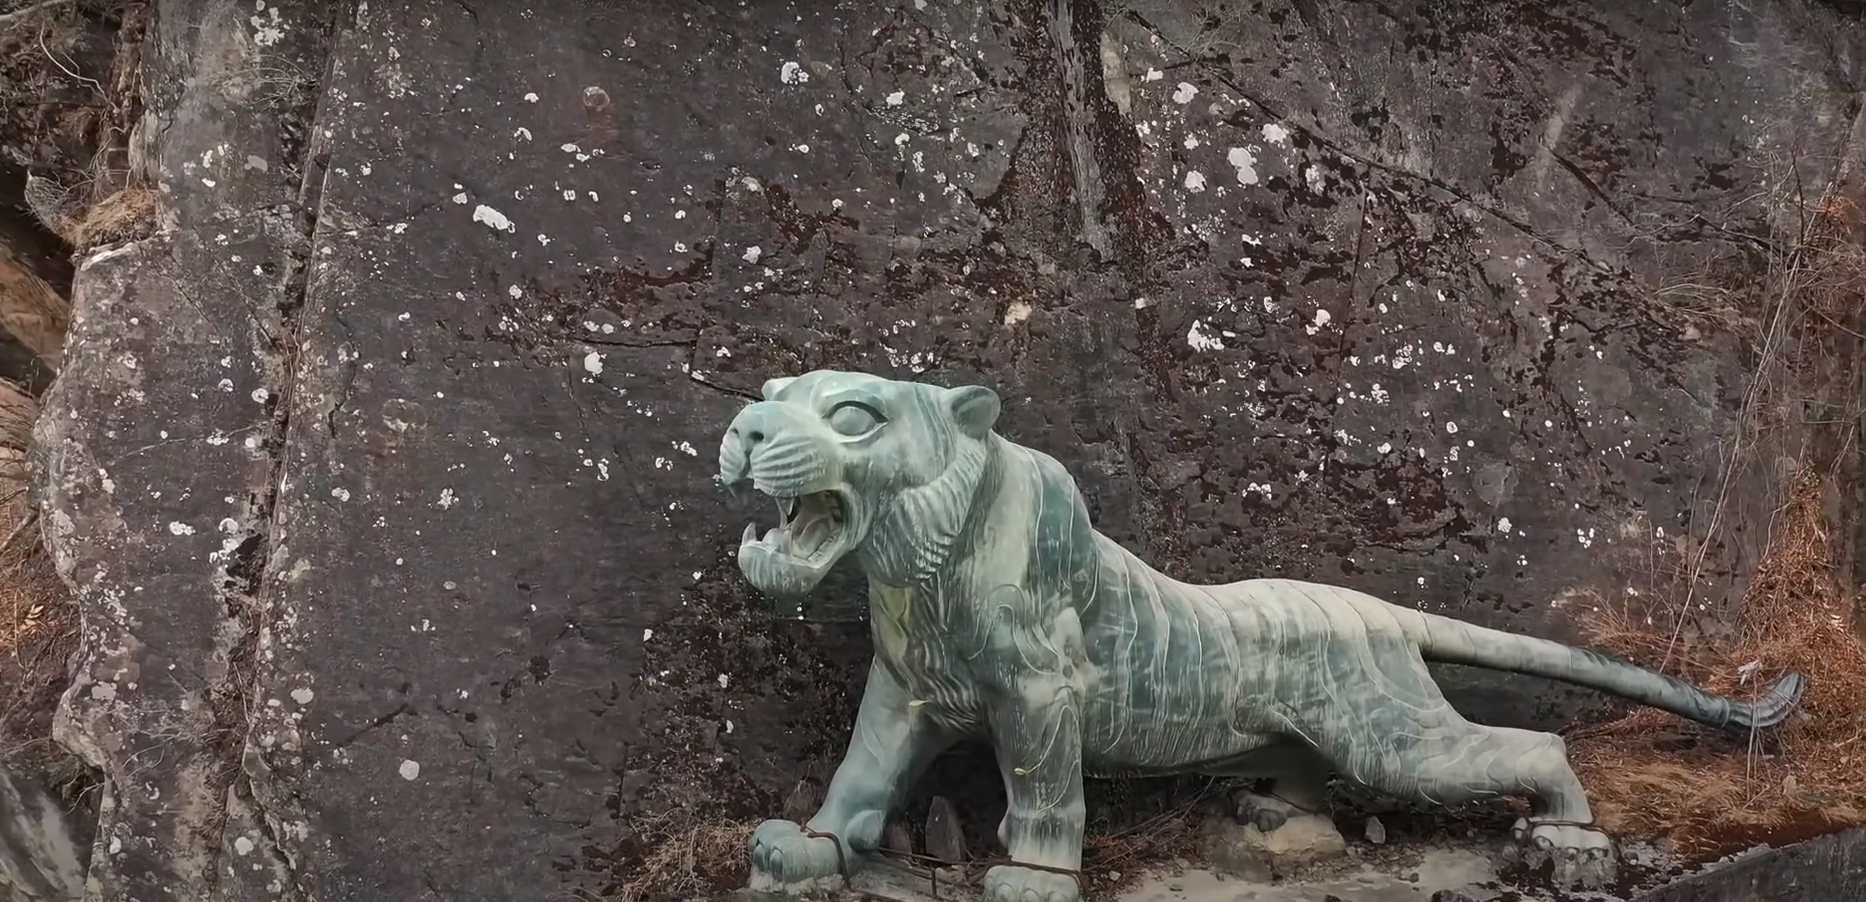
(1647, 774)
(693, 862)
(124, 214)
(1111, 858)
(38, 624)
(38, 632)
(1809, 776)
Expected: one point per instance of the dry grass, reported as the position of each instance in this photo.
(1708, 798)
(38, 622)
(38, 632)
(691, 862)
(122, 215)
(109, 207)
(1112, 859)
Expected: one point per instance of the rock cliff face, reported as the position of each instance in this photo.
(382, 472)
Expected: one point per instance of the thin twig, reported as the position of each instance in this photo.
(96, 85)
(29, 520)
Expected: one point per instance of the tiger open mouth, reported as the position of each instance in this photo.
(810, 528)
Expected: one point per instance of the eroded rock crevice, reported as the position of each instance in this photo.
(167, 684)
(66, 84)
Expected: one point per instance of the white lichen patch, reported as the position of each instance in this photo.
(493, 219)
(1312, 177)
(1322, 319)
(268, 26)
(1245, 163)
(1201, 340)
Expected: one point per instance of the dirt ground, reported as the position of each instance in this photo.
(1371, 874)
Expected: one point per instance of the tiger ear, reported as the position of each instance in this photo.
(775, 385)
(974, 407)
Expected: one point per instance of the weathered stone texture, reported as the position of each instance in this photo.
(432, 596)
(159, 457)
(1826, 869)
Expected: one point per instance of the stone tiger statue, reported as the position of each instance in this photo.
(999, 613)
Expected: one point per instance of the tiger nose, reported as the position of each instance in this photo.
(755, 424)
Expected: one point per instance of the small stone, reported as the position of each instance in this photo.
(410, 769)
(945, 841)
(898, 839)
(1248, 852)
(1376, 831)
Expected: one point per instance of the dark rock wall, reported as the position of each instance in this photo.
(1826, 869)
(383, 473)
